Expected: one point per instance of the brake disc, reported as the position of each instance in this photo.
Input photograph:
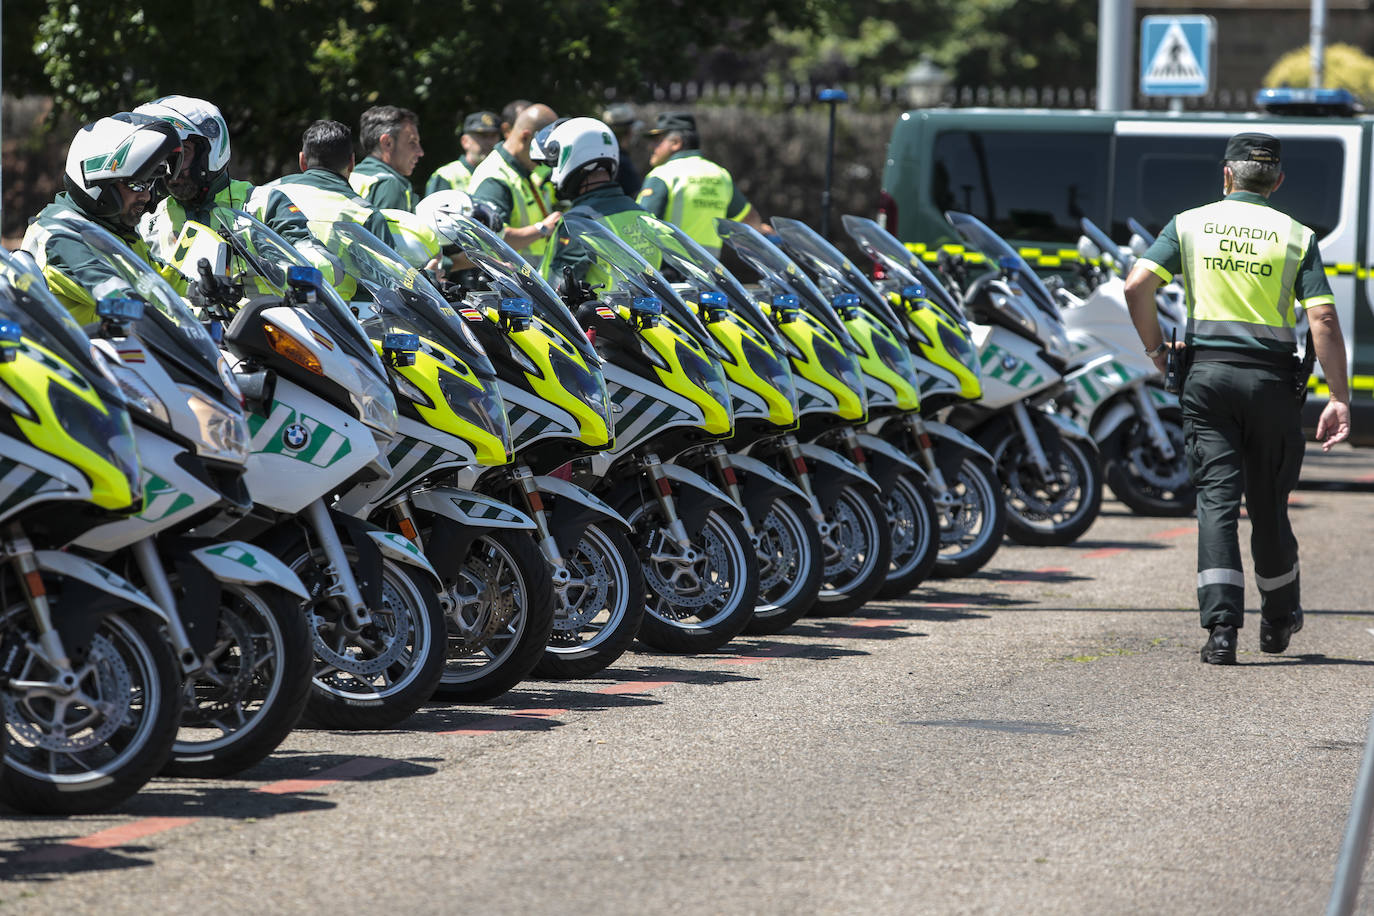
(710, 555)
(493, 608)
(777, 553)
(209, 700)
(360, 660)
(107, 680)
(585, 597)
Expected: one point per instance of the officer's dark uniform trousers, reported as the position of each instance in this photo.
(1243, 436)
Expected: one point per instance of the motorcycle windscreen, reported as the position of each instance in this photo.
(1103, 242)
(993, 247)
(376, 267)
(268, 256)
(825, 260)
(168, 326)
(782, 277)
(500, 262)
(633, 275)
(901, 264)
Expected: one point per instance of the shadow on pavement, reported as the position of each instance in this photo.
(1029, 575)
(51, 858)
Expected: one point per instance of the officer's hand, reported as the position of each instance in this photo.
(1334, 424)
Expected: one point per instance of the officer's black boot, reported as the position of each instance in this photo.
(1274, 637)
(1220, 648)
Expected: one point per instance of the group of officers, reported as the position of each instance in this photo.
(523, 170)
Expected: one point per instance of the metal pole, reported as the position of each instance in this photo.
(1318, 43)
(1355, 847)
(832, 97)
(1115, 53)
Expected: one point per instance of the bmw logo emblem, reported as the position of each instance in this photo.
(295, 436)
(1010, 362)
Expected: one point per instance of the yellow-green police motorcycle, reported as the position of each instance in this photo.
(777, 511)
(847, 502)
(962, 475)
(88, 685)
(669, 395)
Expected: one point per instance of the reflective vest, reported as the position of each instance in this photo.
(1240, 263)
(530, 202)
(323, 207)
(456, 176)
(625, 224)
(699, 191)
(164, 226)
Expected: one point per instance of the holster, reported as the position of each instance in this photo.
(1177, 361)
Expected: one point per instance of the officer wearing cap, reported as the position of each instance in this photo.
(687, 189)
(620, 118)
(1245, 267)
(481, 132)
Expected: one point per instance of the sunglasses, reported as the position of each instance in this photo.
(139, 187)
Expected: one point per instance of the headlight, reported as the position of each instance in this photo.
(138, 392)
(223, 432)
(375, 403)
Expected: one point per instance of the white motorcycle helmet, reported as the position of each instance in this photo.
(129, 148)
(442, 209)
(574, 147)
(207, 156)
(413, 238)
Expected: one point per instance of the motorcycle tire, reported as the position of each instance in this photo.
(106, 758)
(915, 528)
(1055, 512)
(856, 552)
(718, 601)
(381, 676)
(1137, 476)
(972, 527)
(495, 642)
(789, 560)
(252, 689)
(604, 605)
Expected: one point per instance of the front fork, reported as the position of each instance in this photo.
(719, 458)
(19, 551)
(1145, 406)
(154, 574)
(925, 453)
(338, 572)
(801, 476)
(663, 492)
(1034, 449)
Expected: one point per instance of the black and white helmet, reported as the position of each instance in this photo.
(130, 148)
(442, 208)
(199, 119)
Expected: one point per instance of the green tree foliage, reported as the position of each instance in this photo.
(1345, 66)
(273, 66)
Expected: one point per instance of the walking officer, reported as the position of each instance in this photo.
(1245, 266)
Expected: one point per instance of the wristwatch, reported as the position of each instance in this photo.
(543, 230)
(1156, 351)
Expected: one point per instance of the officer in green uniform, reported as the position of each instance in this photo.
(204, 181)
(685, 188)
(505, 179)
(481, 133)
(391, 145)
(1244, 267)
(584, 157)
(322, 191)
(115, 169)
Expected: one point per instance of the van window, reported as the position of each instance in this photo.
(1157, 177)
(1023, 185)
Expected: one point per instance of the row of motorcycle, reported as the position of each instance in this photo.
(283, 497)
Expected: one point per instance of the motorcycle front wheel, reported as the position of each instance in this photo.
(973, 520)
(788, 548)
(500, 615)
(87, 750)
(379, 676)
(697, 602)
(1053, 511)
(252, 688)
(601, 607)
(915, 535)
(1141, 478)
(856, 547)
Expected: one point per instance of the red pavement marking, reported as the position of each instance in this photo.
(636, 687)
(115, 836)
(352, 769)
(1175, 532)
(1049, 570)
(1103, 552)
(866, 624)
(1367, 478)
(517, 719)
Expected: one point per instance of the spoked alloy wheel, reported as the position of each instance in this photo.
(602, 606)
(500, 615)
(856, 544)
(915, 535)
(379, 676)
(252, 689)
(972, 522)
(89, 749)
(699, 601)
(788, 551)
(1141, 478)
(1053, 511)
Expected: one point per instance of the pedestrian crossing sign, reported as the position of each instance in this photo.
(1176, 55)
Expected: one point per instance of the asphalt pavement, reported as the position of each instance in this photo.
(1038, 738)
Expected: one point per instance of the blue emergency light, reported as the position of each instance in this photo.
(119, 309)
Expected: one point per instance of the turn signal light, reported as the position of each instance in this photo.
(291, 348)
